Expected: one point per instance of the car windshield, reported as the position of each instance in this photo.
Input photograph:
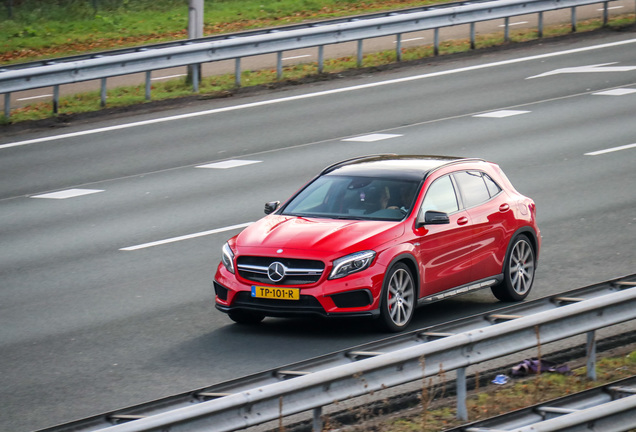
(348, 197)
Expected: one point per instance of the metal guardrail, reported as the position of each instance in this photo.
(203, 51)
(610, 407)
(254, 32)
(315, 383)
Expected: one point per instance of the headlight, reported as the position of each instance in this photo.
(228, 258)
(351, 263)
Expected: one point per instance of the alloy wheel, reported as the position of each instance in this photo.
(401, 297)
(521, 267)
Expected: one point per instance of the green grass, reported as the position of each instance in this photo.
(44, 28)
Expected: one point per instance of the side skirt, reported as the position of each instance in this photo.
(473, 286)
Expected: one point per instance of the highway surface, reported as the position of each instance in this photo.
(110, 231)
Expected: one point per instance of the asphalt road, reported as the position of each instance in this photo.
(96, 315)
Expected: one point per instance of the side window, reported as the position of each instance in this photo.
(441, 196)
(473, 187)
(493, 187)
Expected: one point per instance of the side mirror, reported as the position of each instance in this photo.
(435, 218)
(271, 207)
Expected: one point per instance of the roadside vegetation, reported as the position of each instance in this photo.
(494, 399)
(41, 29)
(45, 29)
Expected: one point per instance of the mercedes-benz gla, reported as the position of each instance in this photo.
(377, 236)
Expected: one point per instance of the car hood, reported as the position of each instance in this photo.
(330, 235)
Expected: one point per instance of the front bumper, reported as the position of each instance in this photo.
(357, 295)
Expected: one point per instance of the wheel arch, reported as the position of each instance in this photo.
(410, 261)
(531, 234)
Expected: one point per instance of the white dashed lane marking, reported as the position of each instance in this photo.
(229, 164)
(502, 114)
(616, 92)
(185, 237)
(69, 193)
(372, 137)
(611, 150)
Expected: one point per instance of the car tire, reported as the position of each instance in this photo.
(518, 272)
(397, 304)
(244, 317)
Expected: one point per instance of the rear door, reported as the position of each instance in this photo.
(490, 210)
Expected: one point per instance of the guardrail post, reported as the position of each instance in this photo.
(398, 47)
(317, 422)
(540, 25)
(102, 94)
(573, 19)
(7, 105)
(279, 65)
(591, 355)
(462, 411)
(436, 42)
(56, 99)
(195, 78)
(472, 35)
(359, 52)
(148, 73)
(321, 58)
(237, 72)
(507, 29)
(605, 13)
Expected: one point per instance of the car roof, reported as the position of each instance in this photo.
(408, 167)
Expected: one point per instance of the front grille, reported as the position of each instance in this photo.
(297, 271)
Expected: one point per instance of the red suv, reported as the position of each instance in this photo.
(377, 236)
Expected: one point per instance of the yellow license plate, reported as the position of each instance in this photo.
(276, 293)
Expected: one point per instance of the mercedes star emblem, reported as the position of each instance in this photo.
(276, 271)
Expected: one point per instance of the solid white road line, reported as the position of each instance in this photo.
(515, 23)
(185, 237)
(410, 40)
(611, 150)
(296, 57)
(34, 97)
(316, 94)
(167, 77)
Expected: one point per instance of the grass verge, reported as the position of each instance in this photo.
(494, 399)
(44, 29)
(224, 85)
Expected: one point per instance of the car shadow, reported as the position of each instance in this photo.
(235, 350)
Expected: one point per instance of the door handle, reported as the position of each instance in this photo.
(462, 220)
(504, 207)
